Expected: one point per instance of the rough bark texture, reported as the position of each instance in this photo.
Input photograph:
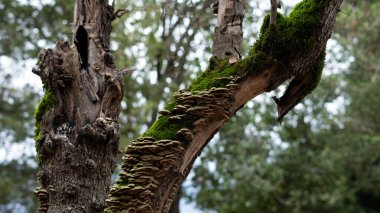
(228, 33)
(76, 123)
(156, 164)
(176, 203)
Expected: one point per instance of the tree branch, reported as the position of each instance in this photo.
(156, 164)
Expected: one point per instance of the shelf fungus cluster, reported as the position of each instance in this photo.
(199, 107)
(213, 103)
(146, 162)
(43, 196)
(152, 157)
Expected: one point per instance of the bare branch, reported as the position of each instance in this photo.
(127, 72)
(273, 11)
(119, 13)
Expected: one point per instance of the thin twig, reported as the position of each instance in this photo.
(126, 72)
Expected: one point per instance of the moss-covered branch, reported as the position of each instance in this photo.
(293, 47)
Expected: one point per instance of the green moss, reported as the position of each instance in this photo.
(163, 129)
(307, 12)
(172, 103)
(265, 24)
(46, 103)
(291, 35)
(38, 133)
(218, 68)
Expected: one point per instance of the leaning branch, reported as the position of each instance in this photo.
(155, 164)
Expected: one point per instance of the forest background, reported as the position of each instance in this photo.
(324, 158)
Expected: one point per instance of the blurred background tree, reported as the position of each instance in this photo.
(323, 159)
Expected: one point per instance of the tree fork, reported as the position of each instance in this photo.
(77, 132)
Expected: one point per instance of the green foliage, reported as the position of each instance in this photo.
(235, 164)
(17, 185)
(157, 38)
(27, 27)
(16, 110)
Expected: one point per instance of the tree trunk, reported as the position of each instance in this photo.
(76, 122)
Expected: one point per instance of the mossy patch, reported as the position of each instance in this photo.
(163, 129)
(37, 133)
(291, 35)
(46, 103)
(211, 76)
(172, 103)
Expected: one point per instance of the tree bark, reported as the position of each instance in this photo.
(176, 203)
(77, 131)
(228, 34)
